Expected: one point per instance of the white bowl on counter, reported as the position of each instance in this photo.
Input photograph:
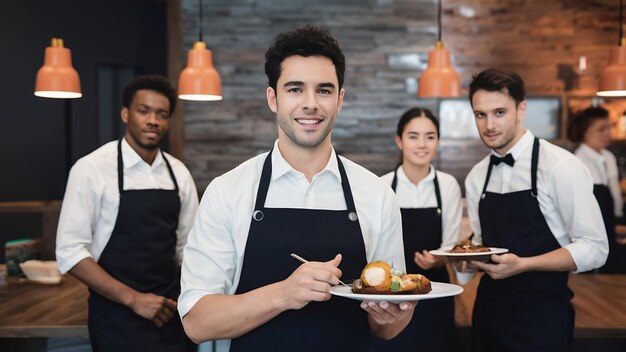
(41, 271)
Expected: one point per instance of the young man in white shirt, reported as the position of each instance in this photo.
(535, 199)
(127, 210)
(239, 281)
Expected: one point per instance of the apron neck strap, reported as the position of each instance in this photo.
(266, 175)
(120, 169)
(394, 185)
(533, 169)
(437, 193)
(169, 168)
(264, 183)
(345, 185)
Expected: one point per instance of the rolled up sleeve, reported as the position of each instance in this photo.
(76, 221)
(577, 206)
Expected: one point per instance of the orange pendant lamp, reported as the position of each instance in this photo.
(613, 78)
(200, 81)
(57, 78)
(439, 79)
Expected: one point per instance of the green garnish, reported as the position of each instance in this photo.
(395, 286)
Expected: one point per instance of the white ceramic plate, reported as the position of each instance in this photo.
(484, 256)
(439, 289)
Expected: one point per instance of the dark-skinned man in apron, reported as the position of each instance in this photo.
(535, 199)
(127, 210)
(239, 282)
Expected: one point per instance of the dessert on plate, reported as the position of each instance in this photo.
(381, 279)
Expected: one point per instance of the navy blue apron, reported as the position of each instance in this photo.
(530, 311)
(140, 254)
(432, 327)
(605, 200)
(318, 235)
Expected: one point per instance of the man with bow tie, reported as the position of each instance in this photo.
(535, 199)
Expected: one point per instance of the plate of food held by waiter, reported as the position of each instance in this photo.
(466, 251)
(380, 282)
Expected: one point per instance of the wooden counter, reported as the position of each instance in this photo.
(599, 302)
(35, 310)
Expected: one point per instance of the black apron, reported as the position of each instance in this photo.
(530, 311)
(432, 327)
(140, 254)
(605, 200)
(318, 235)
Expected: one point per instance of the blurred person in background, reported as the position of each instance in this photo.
(591, 130)
(430, 203)
(127, 211)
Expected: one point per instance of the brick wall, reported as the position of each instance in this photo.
(386, 44)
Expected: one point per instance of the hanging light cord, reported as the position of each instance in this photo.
(621, 3)
(200, 24)
(439, 20)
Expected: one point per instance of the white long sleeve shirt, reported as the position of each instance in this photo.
(565, 195)
(603, 168)
(423, 195)
(213, 256)
(92, 198)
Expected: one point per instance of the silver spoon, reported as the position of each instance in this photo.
(306, 261)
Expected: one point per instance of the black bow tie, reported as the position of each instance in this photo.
(507, 159)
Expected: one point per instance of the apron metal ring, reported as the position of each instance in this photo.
(352, 216)
(257, 215)
(482, 196)
(438, 211)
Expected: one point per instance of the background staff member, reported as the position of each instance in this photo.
(591, 128)
(536, 199)
(430, 203)
(239, 281)
(126, 214)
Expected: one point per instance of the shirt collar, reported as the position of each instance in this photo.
(280, 166)
(404, 178)
(591, 153)
(519, 147)
(131, 158)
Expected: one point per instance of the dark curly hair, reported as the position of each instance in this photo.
(496, 80)
(579, 125)
(306, 41)
(156, 83)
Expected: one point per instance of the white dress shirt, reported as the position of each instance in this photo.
(92, 199)
(565, 195)
(215, 250)
(423, 195)
(603, 168)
